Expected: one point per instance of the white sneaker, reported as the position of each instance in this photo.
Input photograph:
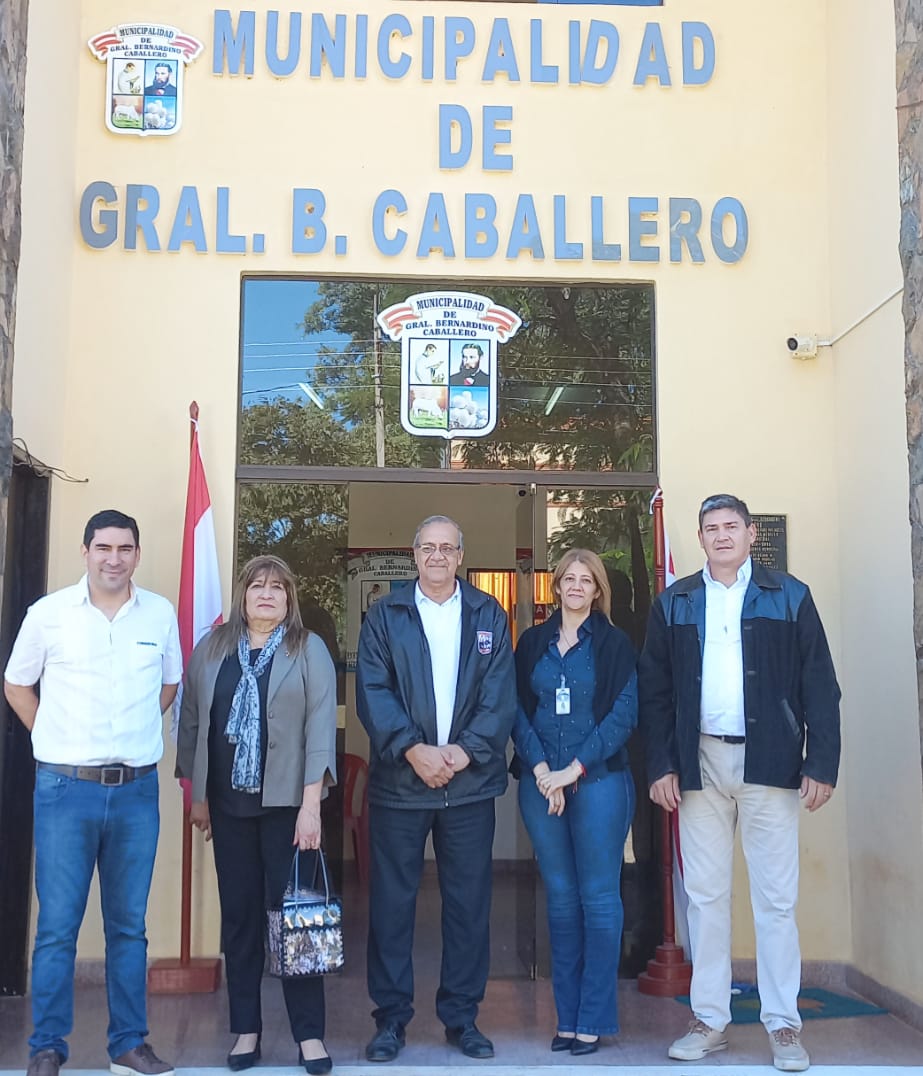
(788, 1054)
(698, 1041)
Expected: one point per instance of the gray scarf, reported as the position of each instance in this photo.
(243, 728)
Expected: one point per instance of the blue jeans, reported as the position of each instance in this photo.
(80, 825)
(580, 857)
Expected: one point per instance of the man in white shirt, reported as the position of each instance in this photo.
(739, 708)
(107, 657)
(435, 690)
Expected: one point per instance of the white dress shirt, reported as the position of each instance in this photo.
(442, 627)
(722, 710)
(100, 679)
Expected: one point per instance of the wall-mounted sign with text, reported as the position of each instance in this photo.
(474, 128)
(371, 574)
(771, 546)
(144, 76)
(449, 353)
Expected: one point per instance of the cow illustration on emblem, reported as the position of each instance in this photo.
(449, 361)
(145, 64)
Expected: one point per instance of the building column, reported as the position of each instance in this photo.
(13, 19)
(909, 23)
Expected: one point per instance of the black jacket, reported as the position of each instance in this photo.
(791, 697)
(397, 705)
(613, 659)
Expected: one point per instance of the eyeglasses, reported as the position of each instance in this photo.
(445, 549)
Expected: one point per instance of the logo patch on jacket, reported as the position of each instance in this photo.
(485, 642)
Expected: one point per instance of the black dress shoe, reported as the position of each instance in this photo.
(579, 1047)
(470, 1041)
(239, 1062)
(319, 1066)
(386, 1043)
(561, 1042)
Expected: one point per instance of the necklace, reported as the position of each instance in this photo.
(570, 643)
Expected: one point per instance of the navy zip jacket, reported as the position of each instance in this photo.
(791, 697)
(396, 702)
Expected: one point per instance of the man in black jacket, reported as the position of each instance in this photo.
(435, 690)
(739, 709)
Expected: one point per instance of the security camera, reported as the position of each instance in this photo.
(802, 346)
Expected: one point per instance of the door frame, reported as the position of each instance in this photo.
(531, 934)
(25, 580)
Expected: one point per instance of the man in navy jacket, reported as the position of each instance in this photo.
(436, 692)
(739, 709)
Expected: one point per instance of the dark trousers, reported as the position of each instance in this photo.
(462, 840)
(253, 858)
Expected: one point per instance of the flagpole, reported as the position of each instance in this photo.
(185, 976)
(669, 973)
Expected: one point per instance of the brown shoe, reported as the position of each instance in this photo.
(44, 1063)
(141, 1061)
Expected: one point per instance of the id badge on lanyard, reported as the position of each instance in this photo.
(562, 698)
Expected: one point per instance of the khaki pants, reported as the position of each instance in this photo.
(769, 834)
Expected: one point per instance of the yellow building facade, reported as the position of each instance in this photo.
(739, 160)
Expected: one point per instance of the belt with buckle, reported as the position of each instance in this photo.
(113, 776)
(725, 739)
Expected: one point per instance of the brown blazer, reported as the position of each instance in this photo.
(301, 718)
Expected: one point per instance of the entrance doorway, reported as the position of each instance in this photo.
(349, 543)
(25, 577)
(524, 410)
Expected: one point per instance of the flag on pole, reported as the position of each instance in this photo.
(199, 583)
(669, 570)
(669, 577)
(680, 901)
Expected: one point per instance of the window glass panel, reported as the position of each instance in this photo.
(307, 526)
(320, 385)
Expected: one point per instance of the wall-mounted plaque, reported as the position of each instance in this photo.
(771, 546)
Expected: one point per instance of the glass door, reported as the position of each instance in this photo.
(349, 545)
(498, 523)
(531, 942)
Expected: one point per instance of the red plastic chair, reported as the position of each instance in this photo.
(356, 811)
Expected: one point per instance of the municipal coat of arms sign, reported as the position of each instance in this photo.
(145, 64)
(449, 361)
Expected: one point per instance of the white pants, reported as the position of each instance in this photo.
(769, 834)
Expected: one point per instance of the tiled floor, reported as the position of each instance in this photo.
(191, 1030)
(518, 1015)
